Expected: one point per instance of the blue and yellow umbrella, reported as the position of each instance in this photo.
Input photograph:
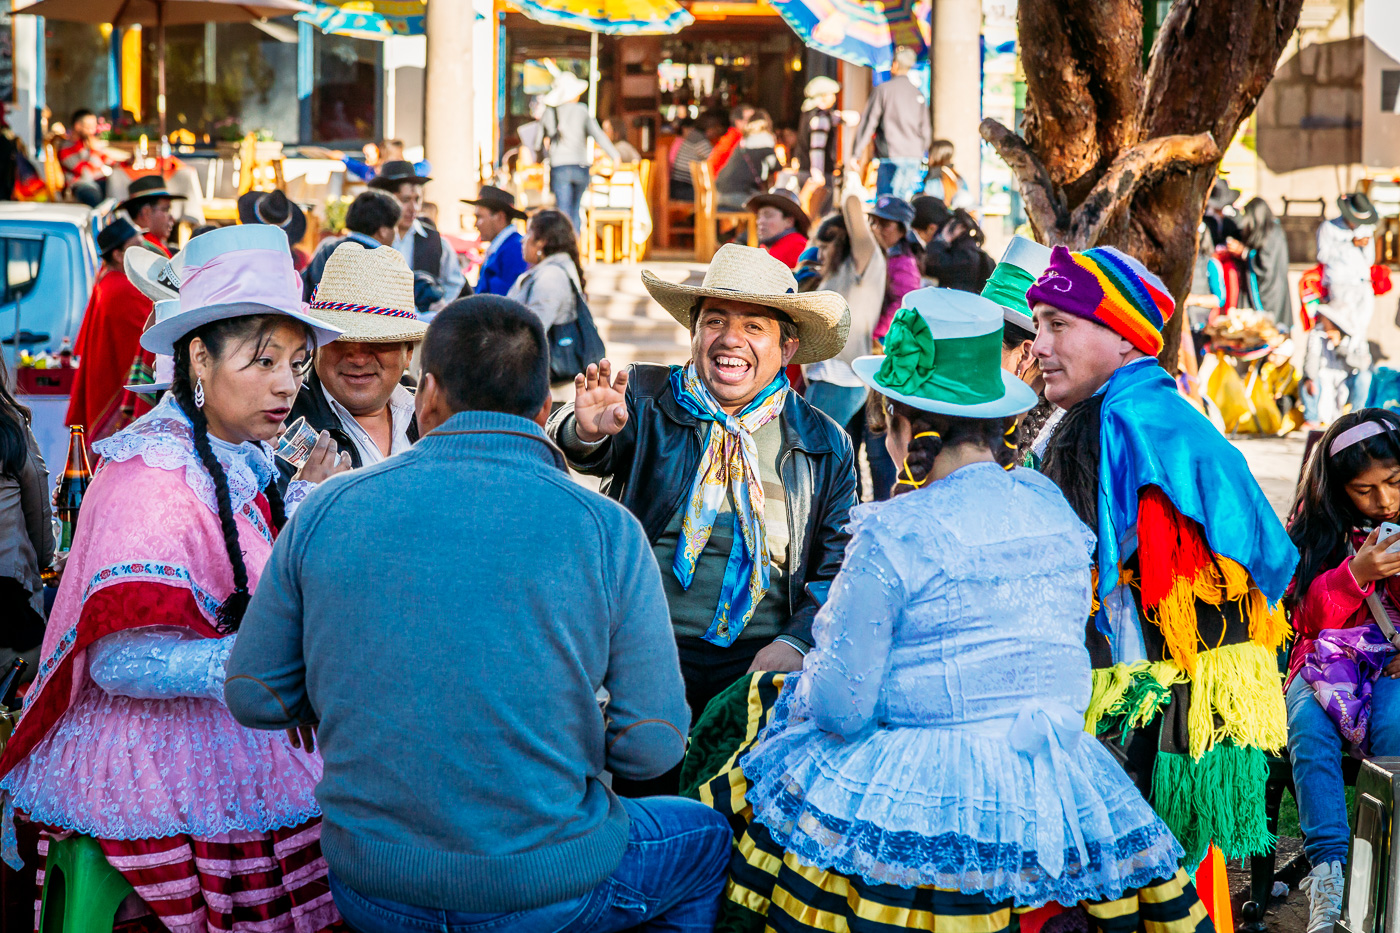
(368, 19)
(610, 17)
(862, 32)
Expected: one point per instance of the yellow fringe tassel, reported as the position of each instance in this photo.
(1240, 684)
(1224, 581)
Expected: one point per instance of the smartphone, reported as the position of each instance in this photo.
(1389, 529)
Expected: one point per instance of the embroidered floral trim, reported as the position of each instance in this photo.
(163, 439)
(152, 571)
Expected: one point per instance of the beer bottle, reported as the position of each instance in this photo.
(76, 476)
(9, 684)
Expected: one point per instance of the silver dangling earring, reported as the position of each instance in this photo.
(199, 392)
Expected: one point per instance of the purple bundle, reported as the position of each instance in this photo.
(1341, 669)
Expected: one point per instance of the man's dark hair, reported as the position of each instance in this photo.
(740, 113)
(488, 353)
(371, 211)
(79, 114)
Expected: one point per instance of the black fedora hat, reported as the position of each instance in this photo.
(275, 209)
(785, 201)
(394, 173)
(1357, 209)
(115, 235)
(145, 189)
(1222, 195)
(497, 199)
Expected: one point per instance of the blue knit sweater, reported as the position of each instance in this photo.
(447, 617)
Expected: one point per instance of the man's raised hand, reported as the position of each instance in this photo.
(600, 403)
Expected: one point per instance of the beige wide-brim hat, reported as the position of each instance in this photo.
(749, 274)
(368, 294)
(567, 88)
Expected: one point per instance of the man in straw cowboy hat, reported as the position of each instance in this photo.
(416, 239)
(743, 488)
(353, 390)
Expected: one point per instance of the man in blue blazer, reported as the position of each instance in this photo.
(505, 260)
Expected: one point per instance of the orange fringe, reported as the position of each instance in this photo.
(1177, 569)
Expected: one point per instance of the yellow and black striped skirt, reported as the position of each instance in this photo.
(771, 889)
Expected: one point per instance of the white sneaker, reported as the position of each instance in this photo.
(1324, 885)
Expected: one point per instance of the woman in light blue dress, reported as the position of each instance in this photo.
(928, 768)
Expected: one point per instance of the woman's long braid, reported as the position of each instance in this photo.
(230, 614)
(275, 505)
(931, 433)
(1072, 458)
(924, 448)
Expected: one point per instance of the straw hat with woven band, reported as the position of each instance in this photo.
(368, 294)
(749, 274)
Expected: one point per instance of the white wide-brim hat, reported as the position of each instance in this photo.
(165, 309)
(749, 274)
(234, 272)
(1021, 264)
(970, 327)
(155, 276)
(368, 294)
(567, 87)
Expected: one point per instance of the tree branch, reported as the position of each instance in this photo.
(1044, 207)
(1132, 168)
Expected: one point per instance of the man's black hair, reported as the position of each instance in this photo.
(79, 114)
(371, 211)
(488, 353)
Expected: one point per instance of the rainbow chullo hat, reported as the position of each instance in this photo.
(1110, 288)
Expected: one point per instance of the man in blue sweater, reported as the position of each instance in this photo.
(456, 694)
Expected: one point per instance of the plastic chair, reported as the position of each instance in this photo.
(82, 891)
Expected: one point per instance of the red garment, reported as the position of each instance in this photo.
(788, 248)
(1334, 600)
(155, 241)
(723, 150)
(108, 341)
(81, 162)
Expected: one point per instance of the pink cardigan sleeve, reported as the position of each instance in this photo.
(1333, 601)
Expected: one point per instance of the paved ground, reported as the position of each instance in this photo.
(1275, 463)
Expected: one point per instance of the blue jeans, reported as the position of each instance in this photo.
(840, 402)
(1315, 749)
(568, 182)
(903, 178)
(670, 879)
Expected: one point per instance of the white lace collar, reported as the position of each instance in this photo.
(163, 439)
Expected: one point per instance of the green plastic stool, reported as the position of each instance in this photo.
(82, 891)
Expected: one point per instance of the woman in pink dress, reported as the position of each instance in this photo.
(125, 736)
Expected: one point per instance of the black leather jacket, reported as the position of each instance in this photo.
(311, 404)
(650, 465)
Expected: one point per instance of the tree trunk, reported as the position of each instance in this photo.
(1115, 157)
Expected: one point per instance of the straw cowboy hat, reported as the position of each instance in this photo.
(368, 294)
(567, 88)
(749, 274)
(943, 354)
(235, 272)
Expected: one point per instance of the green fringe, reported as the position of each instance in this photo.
(1219, 798)
(1141, 702)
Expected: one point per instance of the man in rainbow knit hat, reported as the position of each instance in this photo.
(1192, 561)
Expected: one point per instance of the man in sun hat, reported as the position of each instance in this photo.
(1192, 561)
(782, 224)
(504, 262)
(148, 205)
(416, 239)
(353, 391)
(1345, 253)
(743, 488)
(109, 338)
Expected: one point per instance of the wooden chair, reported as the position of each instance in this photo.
(673, 219)
(708, 215)
(611, 207)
